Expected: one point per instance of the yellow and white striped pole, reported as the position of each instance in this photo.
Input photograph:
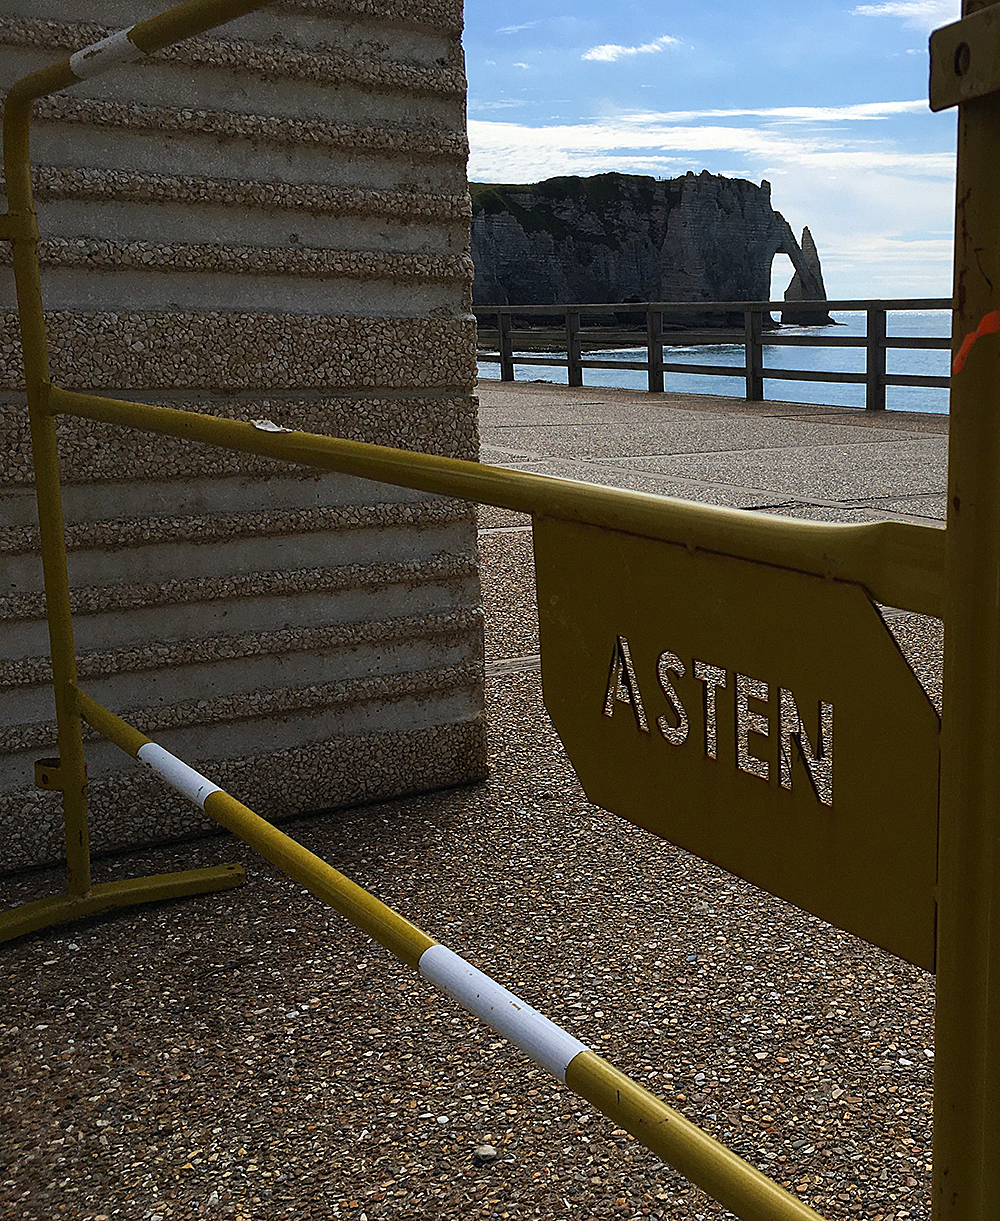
(154, 33)
(736, 1184)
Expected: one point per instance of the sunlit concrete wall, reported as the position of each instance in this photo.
(270, 222)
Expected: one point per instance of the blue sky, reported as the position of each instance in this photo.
(824, 98)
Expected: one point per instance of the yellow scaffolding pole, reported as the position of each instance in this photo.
(898, 563)
(735, 1183)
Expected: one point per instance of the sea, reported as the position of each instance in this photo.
(900, 324)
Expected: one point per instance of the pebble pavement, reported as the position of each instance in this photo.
(251, 1056)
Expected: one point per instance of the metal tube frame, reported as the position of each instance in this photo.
(896, 563)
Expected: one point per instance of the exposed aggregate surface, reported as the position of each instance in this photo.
(444, 13)
(323, 64)
(388, 139)
(68, 182)
(232, 351)
(299, 262)
(92, 451)
(511, 611)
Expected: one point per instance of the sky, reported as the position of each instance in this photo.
(826, 99)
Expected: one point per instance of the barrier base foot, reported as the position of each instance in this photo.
(61, 908)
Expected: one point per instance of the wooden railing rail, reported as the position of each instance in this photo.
(503, 338)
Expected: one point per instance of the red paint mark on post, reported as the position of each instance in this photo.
(990, 325)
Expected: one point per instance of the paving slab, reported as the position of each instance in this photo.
(606, 475)
(542, 395)
(719, 450)
(494, 394)
(545, 411)
(845, 514)
(679, 433)
(927, 423)
(935, 506)
(833, 472)
(495, 455)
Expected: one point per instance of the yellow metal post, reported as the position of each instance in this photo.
(19, 225)
(967, 1063)
(72, 771)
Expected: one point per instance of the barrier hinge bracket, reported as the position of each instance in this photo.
(18, 226)
(48, 775)
(965, 59)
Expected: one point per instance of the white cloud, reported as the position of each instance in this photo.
(921, 14)
(499, 104)
(516, 29)
(610, 51)
(526, 67)
(817, 114)
(623, 141)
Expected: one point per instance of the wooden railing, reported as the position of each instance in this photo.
(503, 338)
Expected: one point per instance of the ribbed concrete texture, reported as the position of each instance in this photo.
(268, 222)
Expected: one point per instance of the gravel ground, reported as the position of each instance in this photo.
(251, 1056)
(507, 567)
(922, 642)
(492, 518)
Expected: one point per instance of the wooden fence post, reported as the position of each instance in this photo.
(654, 350)
(875, 361)
(506, 352)
(574, 352)
(753, 341)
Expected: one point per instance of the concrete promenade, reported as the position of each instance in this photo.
(799, 460)
(250, 1056)
(830, 463)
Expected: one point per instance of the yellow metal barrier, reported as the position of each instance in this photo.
(717, 551)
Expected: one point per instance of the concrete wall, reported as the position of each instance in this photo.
(271, 221)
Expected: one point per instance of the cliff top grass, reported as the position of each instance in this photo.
(537, 206)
